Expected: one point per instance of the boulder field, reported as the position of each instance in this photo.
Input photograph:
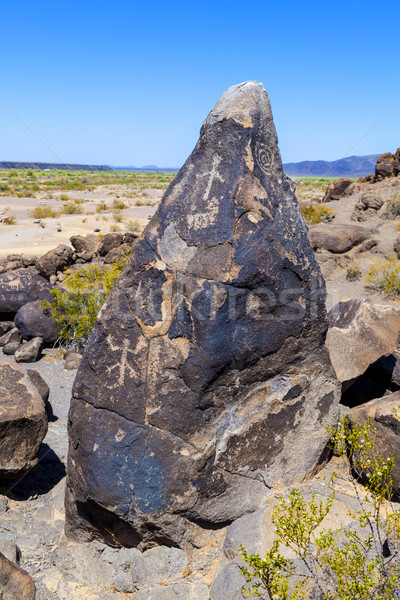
(206, 382)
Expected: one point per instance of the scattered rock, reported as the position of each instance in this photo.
(6, 326)
(110, 241)
(194, 371)
(15, 583)
(396, 247)
(29, 352)
(337, 190)
(90, 243)
(16, 261)
(54, 261)
(10, 349)
(388, 165)
(33, 322)
(10, 550)
(23, 421)
(11, 337)
(130, 238)
(43, 390)
(337, 238)
(360, 333)
(367, 245)
(20, 287)
(366, 207)
(72, 360)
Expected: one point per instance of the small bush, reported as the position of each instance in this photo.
(44, 212)
(119, 205)
(353, 271)
(71, 208)
(384, 275)
(341, 563)
(133, 225)
(76, 307)
(392, 210)
(11, 220)
(101, 207)
(64, 197)
(316, 213)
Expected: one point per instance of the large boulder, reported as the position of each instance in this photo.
(54, 261)
(360, 332)
(32, 321)
(337, 238)
(15, 583)
(23, 421)
(85, 244)
(337, 190)
(388, 165)
(20, 287)
(366, 207)
(109, 242)
(206, 380)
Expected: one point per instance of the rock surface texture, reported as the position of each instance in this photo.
(23, 421)
(15, 583)
(360, 333)
(206, 380)
(20, 287)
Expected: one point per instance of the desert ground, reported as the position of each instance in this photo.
(79, 203)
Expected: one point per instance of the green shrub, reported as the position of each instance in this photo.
(76, 307)
(10, 220)
(44, 212)
(119, 205)
(341, 564)
(316, 213)
(384, 275)
(353, 271)
(71, 208)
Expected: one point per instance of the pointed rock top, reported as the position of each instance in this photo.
(240, 102)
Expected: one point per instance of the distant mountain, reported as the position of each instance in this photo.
(147, 168)
(51, 166)
(351, 166)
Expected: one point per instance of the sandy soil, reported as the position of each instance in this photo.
(29, 238)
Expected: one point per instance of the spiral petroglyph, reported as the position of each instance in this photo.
(263, 157)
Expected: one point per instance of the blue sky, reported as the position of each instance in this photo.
(128, 83)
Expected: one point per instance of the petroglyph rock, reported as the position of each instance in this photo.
(206, 380)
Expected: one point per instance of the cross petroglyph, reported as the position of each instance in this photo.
(122, 366)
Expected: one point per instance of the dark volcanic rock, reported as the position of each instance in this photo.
(29, 351)
(337, 190)
(206, 379)
(32, 322)
(20, 287)
(11, 337)
(15, 583)
(90, 243)
(54, 261)
(337, 238)
(23, 421)
(110, 241)
(388, 165)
